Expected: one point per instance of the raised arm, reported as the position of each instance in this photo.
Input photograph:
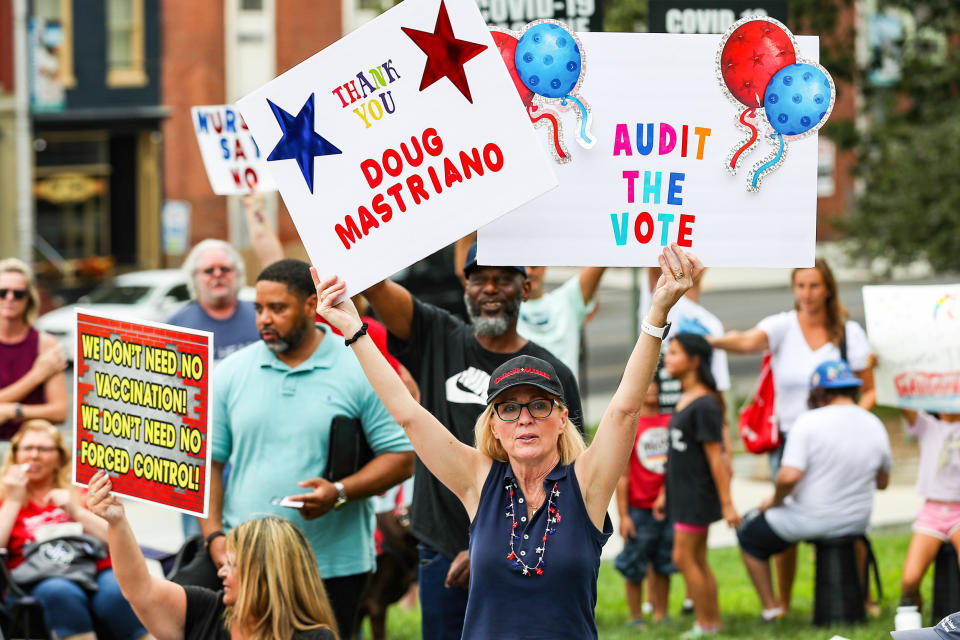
(601, 465)
(590, 282)
(460, 250)
(263, 239)
(461, 468)
(160, 604)
(393, 305)
(749, 341)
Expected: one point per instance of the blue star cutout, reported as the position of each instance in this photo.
(300, 141)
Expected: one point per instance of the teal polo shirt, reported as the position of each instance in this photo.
(272, 424)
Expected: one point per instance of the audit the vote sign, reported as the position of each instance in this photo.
(230, 155)
(400, 138)
(915, 333)
(658, 171)
(142, 410)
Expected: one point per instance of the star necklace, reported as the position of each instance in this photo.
(549, 528)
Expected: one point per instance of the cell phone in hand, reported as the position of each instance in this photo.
(284, 501)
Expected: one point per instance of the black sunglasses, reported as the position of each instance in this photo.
(211, 270)
(18, 294)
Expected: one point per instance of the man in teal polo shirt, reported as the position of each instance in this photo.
(274, 402)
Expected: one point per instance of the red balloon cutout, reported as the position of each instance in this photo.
(507, 45)
(753, 53)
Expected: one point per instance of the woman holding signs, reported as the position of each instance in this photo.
(537, 497)
(39, 504)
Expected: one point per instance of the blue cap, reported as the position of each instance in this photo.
(946, 629)
(471, 263)
(834, 374)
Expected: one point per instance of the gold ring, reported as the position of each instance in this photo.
(678, 275)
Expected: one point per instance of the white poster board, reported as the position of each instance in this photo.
(231, 157)
(915, 333)
(384, 154)
(666, 85)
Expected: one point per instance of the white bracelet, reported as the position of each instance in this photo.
(656, 332)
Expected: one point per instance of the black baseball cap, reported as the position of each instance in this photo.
(470, 264)
(522, 370)
(946, 629)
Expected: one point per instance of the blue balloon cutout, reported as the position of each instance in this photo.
(548, 60)
(797, 98)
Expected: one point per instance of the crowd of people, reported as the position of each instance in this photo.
(510, 504)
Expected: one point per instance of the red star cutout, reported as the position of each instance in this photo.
(445, 54)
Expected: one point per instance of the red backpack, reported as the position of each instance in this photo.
(758, 423)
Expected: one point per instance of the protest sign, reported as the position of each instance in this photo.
(580, 15)
(142, 410)
(658, 171)
(915, 333)
(398, 139)
(231, 157)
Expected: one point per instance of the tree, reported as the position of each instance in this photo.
(909, 208)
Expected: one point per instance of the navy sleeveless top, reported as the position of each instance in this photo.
(504, 603)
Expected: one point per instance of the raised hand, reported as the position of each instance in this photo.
(678, 271)
(101, 501)
(15, 483)
(51, 361)
(342, 316)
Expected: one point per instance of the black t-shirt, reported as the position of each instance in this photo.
(453, 370)
(204, 619)
(691, 492)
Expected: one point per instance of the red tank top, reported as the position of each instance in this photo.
(15, 361)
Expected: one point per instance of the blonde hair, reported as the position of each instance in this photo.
(569, 445)
(62, 478)
(16, 265)
(280, 591)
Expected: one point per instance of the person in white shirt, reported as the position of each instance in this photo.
(555, 319)
(837, 456)
(815, 331)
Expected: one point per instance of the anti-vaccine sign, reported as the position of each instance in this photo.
(398, 139)
(658, 171)
(142, 410)
(915, 333)
(231, 157)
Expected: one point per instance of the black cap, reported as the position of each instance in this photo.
(524, 370)
(470, 264)
(946, 629)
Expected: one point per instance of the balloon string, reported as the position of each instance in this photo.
(554, 130)
(584, 136)
(753, 137)
(771, 163)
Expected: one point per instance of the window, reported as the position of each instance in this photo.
(55, 17)
(125, 43)
(251, 5)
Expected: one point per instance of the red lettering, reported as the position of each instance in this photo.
(395, 192)
(391, 157)
(415, 186)
(349, 233)
(450, 173)
(643, 218)
(238, 151)
(683, 234)
(372, 172)
(471, 163)
(382, 208)
(493, 157)
(367, 221)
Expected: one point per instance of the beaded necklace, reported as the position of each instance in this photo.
(549, 527)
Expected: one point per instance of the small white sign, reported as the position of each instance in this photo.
(398, 139)
(658, 171)
(231, 157)
(915, 333)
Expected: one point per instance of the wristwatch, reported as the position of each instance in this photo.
(656, 332)
(341, 495)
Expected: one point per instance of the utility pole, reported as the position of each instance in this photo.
(23, 132)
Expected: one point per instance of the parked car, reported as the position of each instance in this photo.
(153, 295)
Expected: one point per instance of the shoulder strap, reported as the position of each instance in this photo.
(843, 344)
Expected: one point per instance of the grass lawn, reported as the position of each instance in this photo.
(738, 601)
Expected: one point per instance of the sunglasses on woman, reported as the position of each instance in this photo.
(18, 294)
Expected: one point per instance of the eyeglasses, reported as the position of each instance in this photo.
(510, 411)
(31, 448)
(18, 294)
(209, 271)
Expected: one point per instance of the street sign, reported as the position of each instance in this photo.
(708, 16)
